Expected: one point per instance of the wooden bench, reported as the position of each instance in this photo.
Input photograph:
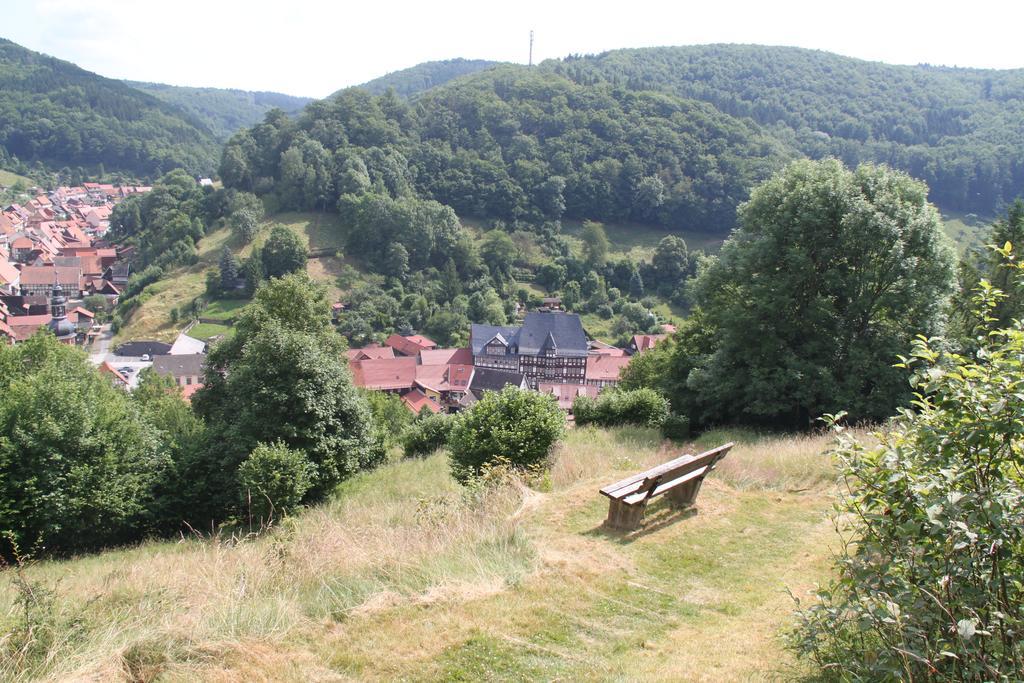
(680, 479)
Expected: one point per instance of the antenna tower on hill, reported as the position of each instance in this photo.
(531, 48)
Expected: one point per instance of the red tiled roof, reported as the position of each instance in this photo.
(669, 328)
(646, 342)
(385, 373)
(8, 273)
(24, 326)
(605, 368)
(446, 357)
(370, 353)
(409, 346)
(44, 275)
(565, 394)
(416, 401)
(188, 390)
(109, 369)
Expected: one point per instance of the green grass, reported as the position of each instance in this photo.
(965, 230)
(224, 309)
(639, 241)
(204, 331)
(404, 575)
(8, 178)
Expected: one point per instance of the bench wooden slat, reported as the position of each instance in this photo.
(680, 479)
(629, 485)
(662, 487)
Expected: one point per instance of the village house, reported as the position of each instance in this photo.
(410, 345)
(40, 279)
(605, 370)
(186, 370)
(549, 347)
(565, 394)
(644, 342)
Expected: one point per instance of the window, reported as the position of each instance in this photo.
(188, 381)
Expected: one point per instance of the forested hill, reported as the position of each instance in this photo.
(422, 77)
(64, 116)
(516, 144)
(960, 130)
(223, 110)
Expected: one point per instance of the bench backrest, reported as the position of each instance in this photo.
(660, 479)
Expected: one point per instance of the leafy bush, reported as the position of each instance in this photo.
(273, 479)
(426, 435)
(513, 426)
(641, 407)
(928, 584)
(676, 427)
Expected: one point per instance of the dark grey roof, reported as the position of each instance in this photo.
(479, 335)
(486, 379)
(562, 331)
(141, 348)
(180, 366)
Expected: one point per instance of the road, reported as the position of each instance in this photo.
(130, 366)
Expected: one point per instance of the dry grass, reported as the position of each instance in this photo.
(404, 575)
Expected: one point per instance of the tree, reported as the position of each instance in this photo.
(932, 513)
(636, 285)
(987, 264)
(281, 377)
(829, 276)
(396, 261)
(78, 463)
(514, 426)
(595, 244)
(498, 251)
(273, 481)
(283, 253)
(245, 224)
(228, 265)
(671, 263)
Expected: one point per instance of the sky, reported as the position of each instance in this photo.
(303, 47)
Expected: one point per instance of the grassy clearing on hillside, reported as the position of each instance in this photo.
(965, 230)
(8, 178)
(152, 320)
(405, 575)
(204, 331)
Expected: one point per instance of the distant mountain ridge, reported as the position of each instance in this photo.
(54, 112)
(423, 77)
(223, 110)
(958, 129)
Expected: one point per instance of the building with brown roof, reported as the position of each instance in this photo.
(411, 345)
(416, 401)
(40, 279)
(605, 370)
(644, 342)
(394, 375)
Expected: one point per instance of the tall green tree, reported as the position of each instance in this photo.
(282, 378)
(829, 276)
(595, 244)
(283, 253)
(78, 462)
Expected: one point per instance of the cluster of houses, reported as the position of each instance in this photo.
(55, 241)
(549, 352)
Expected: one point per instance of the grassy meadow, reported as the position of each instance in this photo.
(404, 575)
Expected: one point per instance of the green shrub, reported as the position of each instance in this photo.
(676, 427)
(426, 435)
(928, 581)
(515, 426)
(273, 480)
(616, 407)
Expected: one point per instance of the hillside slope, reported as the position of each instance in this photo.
(422, 77)
(957, 129)
(223, 110)
(57, 113)
(407, 576)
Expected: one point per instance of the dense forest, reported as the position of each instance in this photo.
(57, 113)
(515, 144)
(223, 110)
(416, 79)
(957, 129)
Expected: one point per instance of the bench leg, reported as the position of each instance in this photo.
(622, 516)
(684, 495)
